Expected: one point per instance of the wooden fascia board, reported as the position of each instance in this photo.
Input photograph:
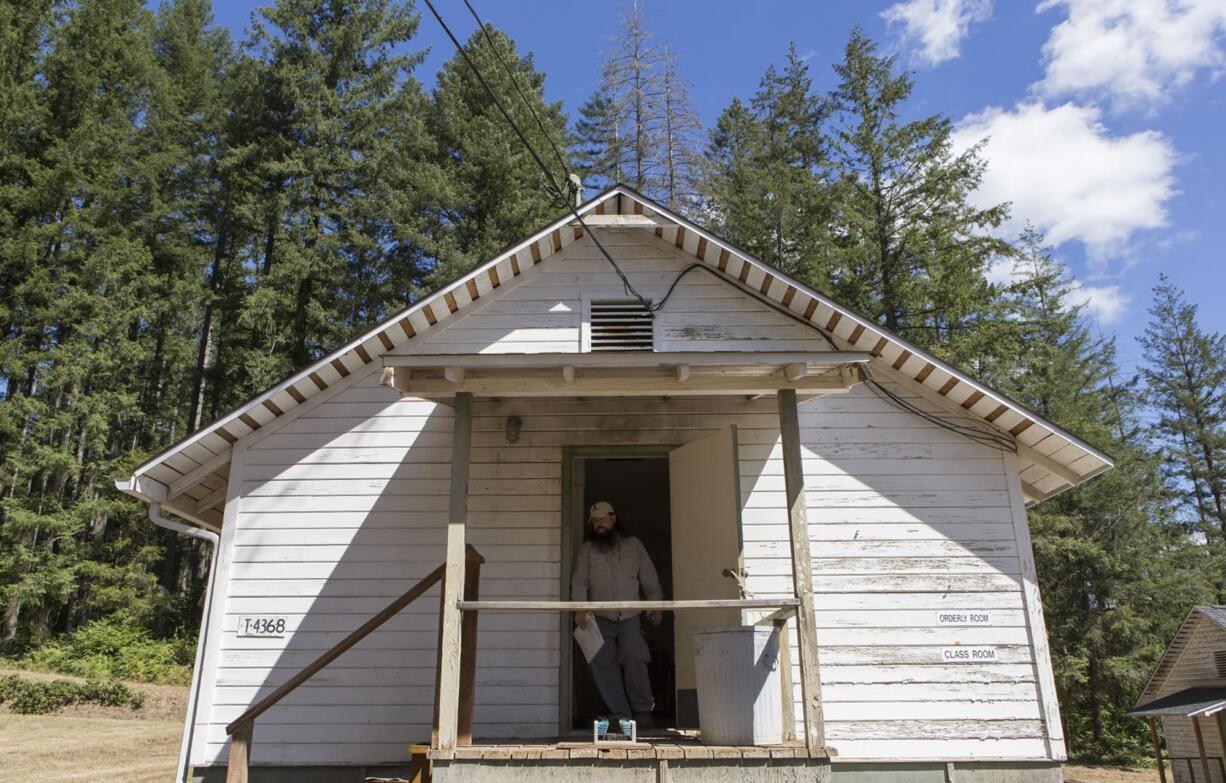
(304, 377)
(150, 490)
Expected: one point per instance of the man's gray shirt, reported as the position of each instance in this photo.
(614, 575)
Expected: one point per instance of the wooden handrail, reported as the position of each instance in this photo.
(789, 604)
(257, 709)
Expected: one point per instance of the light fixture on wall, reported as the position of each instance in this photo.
(514, 425)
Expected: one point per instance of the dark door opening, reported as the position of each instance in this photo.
(638, 488)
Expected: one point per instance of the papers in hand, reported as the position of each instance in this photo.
(589, 638)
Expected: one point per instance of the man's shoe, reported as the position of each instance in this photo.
(644, 720)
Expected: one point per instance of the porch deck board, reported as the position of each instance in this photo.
(646, 749)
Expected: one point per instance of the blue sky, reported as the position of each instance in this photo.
(1106, 118)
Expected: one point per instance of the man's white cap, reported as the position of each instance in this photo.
(601, 508)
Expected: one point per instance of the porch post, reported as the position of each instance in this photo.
(453, 586)
(1153, 733)
(802, 577)
(1221, 734)
(1200, 748)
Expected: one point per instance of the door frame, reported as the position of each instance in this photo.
(572, 511)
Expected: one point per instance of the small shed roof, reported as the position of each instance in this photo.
(1190, 702)
(1197, 617)
(190, 476)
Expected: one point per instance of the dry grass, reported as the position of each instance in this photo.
(1075, 773)
(92, 743)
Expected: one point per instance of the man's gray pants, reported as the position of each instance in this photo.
(620, 668)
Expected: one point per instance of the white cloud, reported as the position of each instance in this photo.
(1001, 272)
(1064, 172)
(937, 26)
(1104, 303)
(1133, 52)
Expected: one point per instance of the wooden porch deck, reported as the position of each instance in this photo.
(672, 746)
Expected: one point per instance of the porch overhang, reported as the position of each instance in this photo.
(1199, 702)
(624, 374)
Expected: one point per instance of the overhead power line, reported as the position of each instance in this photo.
(515, 83)
(556, 190)
(989, 438)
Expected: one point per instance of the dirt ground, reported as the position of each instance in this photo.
(1074, 773)
(87, 744)
(91, 743)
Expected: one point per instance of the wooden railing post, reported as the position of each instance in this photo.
(468, 650)
(240, 753)
(786, 692)
(438, 660)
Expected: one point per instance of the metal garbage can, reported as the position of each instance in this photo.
(737, 673)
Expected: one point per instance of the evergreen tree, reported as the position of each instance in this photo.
(1116, 573)
(766, 175)
(914, 249)
(679, 129)
(600, 148)
(1185, 384)
(326, 95)
(80, 202)
(495, 192)
(640, 126)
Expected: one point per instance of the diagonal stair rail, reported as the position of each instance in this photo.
(240, 730)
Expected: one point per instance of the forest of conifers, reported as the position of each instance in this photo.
(186, 219)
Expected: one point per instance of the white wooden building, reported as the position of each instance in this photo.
(1187, 692)
(538, 384)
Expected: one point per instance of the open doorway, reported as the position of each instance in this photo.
(684, 504)
(638, 488)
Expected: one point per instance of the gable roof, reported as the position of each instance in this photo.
(189, 477)
(1197, 618)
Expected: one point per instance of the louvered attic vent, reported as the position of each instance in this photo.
(1219, 662)
(623, 325)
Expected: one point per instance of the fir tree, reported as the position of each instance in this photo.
(913, 248)
(600, 148)
(640, 126)
(1185, 384)
(329, 92)
(495, 191)
(679, 129)
(766, 177)
(1116, 573)
(81, 302)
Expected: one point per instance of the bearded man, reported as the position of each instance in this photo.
(612, 565)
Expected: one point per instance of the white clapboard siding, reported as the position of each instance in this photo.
(910, 522)
(542, 310)
(345, 506)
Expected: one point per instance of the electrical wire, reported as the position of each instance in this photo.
(984, 437)
(515, 83)
(989, 438)
(556, 190)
